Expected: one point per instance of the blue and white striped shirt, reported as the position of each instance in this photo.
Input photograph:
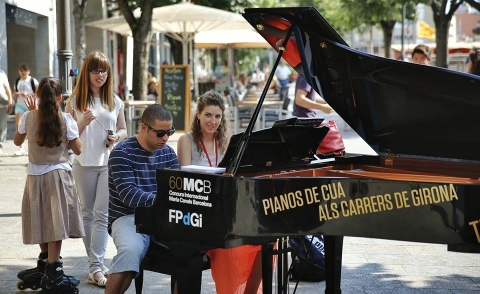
(132, 176)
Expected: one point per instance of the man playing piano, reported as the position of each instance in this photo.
(131, 179)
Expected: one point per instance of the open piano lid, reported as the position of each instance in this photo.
(395, 106)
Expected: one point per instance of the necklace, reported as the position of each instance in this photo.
(206, 153)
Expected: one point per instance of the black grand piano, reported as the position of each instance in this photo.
(423, 185)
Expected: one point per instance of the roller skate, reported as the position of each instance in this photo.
(54, 281)
(30, 278)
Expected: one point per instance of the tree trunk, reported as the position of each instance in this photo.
(442, 16)
(142, 34)
(79, 10)
(387, 28)
(442, 25)
(176, 49)
(141, 51)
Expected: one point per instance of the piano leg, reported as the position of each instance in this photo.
(333, 264)
(188, 274)
(282, 265)
(267, 268)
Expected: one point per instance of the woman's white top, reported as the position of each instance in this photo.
(94, 136)
(199, 158)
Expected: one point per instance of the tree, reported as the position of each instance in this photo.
(79, 8)
(385, 13)
(443, 11)
(141, 33)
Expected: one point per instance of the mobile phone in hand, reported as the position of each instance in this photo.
(109, 132)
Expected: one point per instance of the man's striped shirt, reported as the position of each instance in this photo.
(132, 176)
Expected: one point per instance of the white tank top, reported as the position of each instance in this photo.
(199, 158)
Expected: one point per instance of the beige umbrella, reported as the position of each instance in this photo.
(241, 38)
(180, 21)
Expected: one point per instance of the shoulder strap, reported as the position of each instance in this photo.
(16, 84)
(32, 83)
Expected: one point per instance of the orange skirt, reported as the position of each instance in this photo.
(232, 268)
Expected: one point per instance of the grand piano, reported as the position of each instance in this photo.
(422, 184)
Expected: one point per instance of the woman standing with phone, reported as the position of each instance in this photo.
(101, 122)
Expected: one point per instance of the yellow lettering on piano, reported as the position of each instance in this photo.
(364, 205)
(433, 195)
(332, 191)
(276, 204)
(353, 209)
(311, 195)
(267, 204)
(282, 202)
(324, 212)
(334, 209)
(344, 209)
(475, 229)
(388, 204)
(401, 199)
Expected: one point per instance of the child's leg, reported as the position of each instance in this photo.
(54, 278)
(44, 248)
(54, 249)
(31, 278)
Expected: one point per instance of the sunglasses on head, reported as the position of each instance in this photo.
(161, 133)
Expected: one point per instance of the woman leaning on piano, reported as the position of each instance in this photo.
(235, 270)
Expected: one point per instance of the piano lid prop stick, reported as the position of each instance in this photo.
(243, 143)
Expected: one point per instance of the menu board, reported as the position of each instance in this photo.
(174, 89)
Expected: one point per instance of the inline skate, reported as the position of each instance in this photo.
(54, 281)
(30, 278)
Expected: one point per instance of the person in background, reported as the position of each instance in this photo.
(101, 122)
(241, 85)
(307, 100)
(235, 270)
(473, 66)
(421, 54)
(6, 103)
(24, 86)
(132, 183)
(152, 90)
(283, 73)
(50, 206)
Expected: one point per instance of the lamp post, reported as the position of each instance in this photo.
(402, 54)
(64, 54)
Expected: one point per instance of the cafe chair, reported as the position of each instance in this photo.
(244, 115)
(187, 270)
(270, 114)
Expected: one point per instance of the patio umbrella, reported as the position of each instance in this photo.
(180, 21)
(241, 38)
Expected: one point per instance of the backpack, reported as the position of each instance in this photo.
(32, 83)
(308, 258)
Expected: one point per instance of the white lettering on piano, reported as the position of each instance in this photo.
(188, 219)
(197, 185)
(189, 198)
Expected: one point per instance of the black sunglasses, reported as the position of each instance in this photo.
(161, 133)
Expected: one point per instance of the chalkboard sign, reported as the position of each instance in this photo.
(174, 89)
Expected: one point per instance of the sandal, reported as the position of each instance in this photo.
(105, 270)
(102, 281)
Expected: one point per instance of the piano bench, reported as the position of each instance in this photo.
(188, 270)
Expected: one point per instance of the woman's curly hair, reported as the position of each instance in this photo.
(222, 134)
